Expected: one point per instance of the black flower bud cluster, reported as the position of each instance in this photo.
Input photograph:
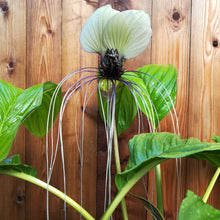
(111, 66)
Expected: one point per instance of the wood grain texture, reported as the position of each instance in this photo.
(13, 70)
(171, 45)
(43, 64)
(204, 93)
(75, 13)
(40, 42)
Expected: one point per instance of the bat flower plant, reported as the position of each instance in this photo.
(117, 36)
(122, 95)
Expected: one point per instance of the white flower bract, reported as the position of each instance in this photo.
(129, 32)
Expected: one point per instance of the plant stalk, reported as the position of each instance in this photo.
(51, 189)
(211, 184)
(118, 168)
(159, 189)
(126, 188)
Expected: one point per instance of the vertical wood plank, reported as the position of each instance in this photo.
(43, 64)
(204, 93)
(53, 50)
(12, 69)
(75, 13)
(171, 45)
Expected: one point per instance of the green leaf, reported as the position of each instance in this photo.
(14, 163)
(216, 138)
(160, 82)
(125, 108)
(193, 208)
(153, 210)
(15, 104)
(36, 121)
(148, 150)
(142, 97)
(152, 88)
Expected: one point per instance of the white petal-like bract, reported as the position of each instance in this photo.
(129, 32)
(91, 37)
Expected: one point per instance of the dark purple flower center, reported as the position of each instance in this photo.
(111, 66)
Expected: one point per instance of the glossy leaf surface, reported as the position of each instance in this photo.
(152, 88)
(36, 121)
(15, 104)
(193, 208)
(148, 150)
(160, 82)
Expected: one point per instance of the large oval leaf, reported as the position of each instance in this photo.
(16, 104)
(193, 208)
(160, 82)
(148, 150)
(36, 121)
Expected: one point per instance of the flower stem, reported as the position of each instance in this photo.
(118, 169)
(51, 189)
(129, 184)
(159, 189)
(211, 184)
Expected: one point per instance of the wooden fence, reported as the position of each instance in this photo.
(39, 41)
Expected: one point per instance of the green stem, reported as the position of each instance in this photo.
(51, 189)
(126, 188)
(118, 169)
(211, 184)
(159, 189)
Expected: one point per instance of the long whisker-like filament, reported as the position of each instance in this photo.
(80, 83)
(175, 127)
(108, 121)
(135, 88)
(107, 106)
(174, 120)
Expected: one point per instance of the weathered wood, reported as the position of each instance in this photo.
(171, 45)
(12, 69)
(43, 64)
(204, 118)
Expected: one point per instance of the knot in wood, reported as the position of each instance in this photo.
(176, 16)
(20, 198)
(11, 66)
(50, 31)
(176, 19)
(215, 43)
(4, 7)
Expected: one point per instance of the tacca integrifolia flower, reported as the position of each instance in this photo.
(116, 36)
